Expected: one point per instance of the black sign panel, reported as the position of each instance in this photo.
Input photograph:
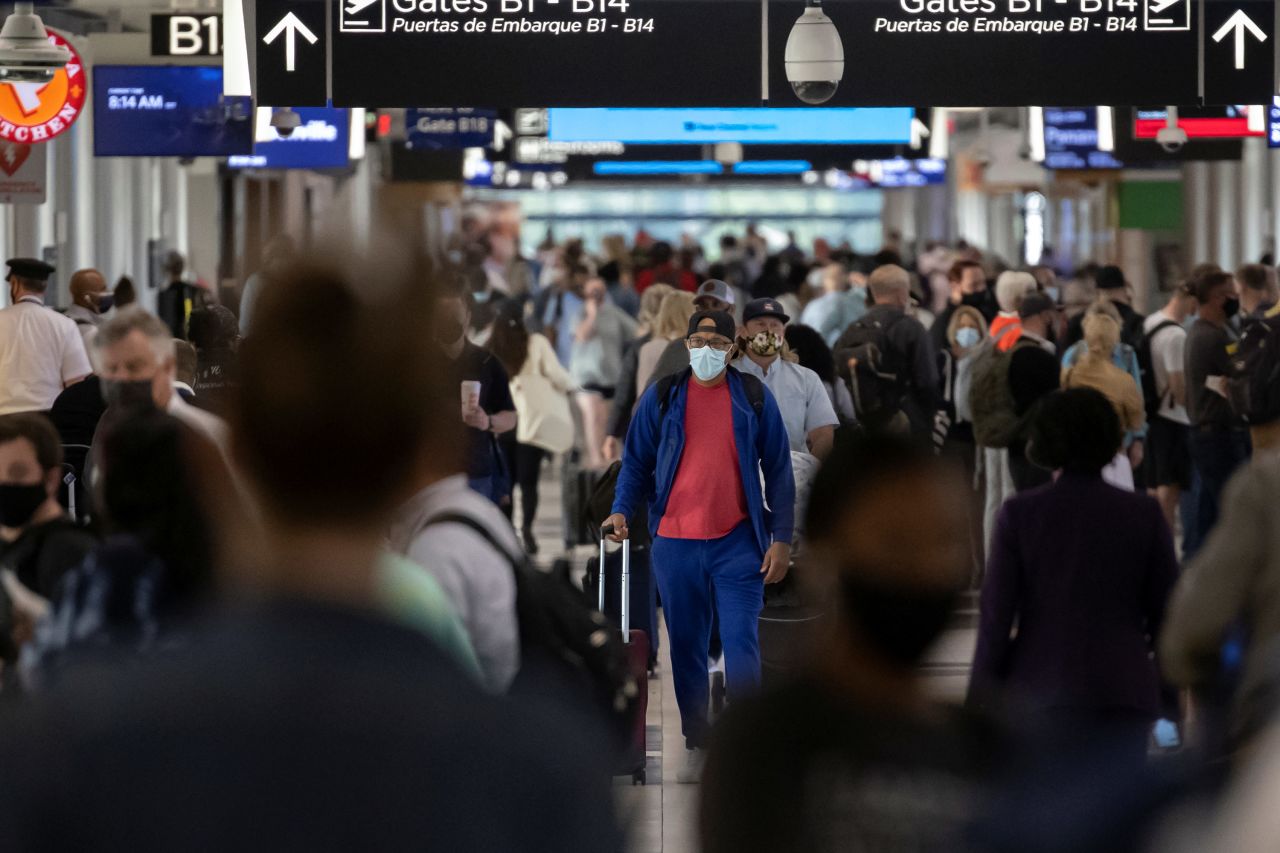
(519, 53)
(994, 52)
(291, 52)
(186, 35)
(1239, 52)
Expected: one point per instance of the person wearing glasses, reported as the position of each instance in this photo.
(696, 449)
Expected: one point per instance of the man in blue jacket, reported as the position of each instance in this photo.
(695, 450)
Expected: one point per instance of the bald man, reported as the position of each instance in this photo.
(90, 299)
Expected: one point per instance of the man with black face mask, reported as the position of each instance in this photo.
(1219, 442)
(38, 542)
(136, 361)
(487, 407)
(854, 754)
(968, 282)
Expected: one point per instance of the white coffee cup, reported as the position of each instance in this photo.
(470, 396)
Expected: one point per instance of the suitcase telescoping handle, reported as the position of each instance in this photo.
(626, 581)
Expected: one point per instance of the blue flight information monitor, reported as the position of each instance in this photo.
(1071, 140)
(167, 111)
(1273, 124)
(756, 126)
(321, 141)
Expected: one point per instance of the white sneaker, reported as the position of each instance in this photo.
(691, 773)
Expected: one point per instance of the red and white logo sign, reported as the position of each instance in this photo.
(37, 112)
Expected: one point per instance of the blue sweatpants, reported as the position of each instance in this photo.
(688, 570)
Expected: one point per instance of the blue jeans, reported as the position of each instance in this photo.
(1216, 455)
(695, 575)
(483, 485)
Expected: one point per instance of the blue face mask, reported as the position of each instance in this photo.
(968, 337)
(707, 363)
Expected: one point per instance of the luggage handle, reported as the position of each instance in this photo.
(626, 581)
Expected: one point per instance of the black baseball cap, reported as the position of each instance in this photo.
(1110, 278)
(724, 323)
(764, 308)
(32, 268)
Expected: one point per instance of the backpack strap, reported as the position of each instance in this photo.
(518, 564)
(754, 389)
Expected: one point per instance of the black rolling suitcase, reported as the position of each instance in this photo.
(634, 757)
(576, 485)
(640, 594)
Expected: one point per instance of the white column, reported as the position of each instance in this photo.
(1195, 212)
(1253, 175)
(1225, 214)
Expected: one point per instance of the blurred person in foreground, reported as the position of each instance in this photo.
(135, 592)
(1228, 600)
(299, 718)
(1083, 570)
(215, 336)
(854, 754)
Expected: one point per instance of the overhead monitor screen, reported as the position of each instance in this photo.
(760, 126)
(167, 111)
(1227, 122)
(1071, 140)
(321, 141)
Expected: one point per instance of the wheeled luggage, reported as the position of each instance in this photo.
(634, 757)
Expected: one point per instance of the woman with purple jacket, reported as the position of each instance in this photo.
(1076, 586)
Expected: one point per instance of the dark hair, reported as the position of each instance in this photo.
(956, 273)
(1206, 284)
(660, 253)
(1254, 276)
(509, 340)
(856, 467)
(149, 489)
(39, 431)
(1076, 430)
(341, 389)
(213, 328)
(125, 292)
(807, 343)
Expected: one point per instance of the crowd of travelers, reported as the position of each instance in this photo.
(267, 575)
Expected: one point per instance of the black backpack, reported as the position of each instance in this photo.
(879, 382)
(1253, 385)
(1152, 397)
(753, 387)
(563, 641)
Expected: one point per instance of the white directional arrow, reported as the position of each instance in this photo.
(1239, 22)
(292, 28)
(501, 135)
(919, 133)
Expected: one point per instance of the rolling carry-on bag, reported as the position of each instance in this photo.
(634, 757)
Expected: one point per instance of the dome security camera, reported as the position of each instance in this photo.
(1171, 139)
(814, 57)
(285, 121)
(26, 55)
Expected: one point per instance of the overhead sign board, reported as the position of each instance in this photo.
(759, 126)
(24, 173)
(186, 35)
(710, 53)
(322, 141)
(292, 53)
(1071, 140)
(450, 128)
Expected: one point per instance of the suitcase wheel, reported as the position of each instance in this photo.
(640, 777)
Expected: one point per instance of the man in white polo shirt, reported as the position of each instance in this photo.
(806, 408)
(41, 352)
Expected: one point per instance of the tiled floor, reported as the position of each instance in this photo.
(661, 817)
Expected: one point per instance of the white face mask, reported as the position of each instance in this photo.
(707, 363)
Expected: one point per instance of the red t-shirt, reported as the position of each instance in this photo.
(707, 500)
